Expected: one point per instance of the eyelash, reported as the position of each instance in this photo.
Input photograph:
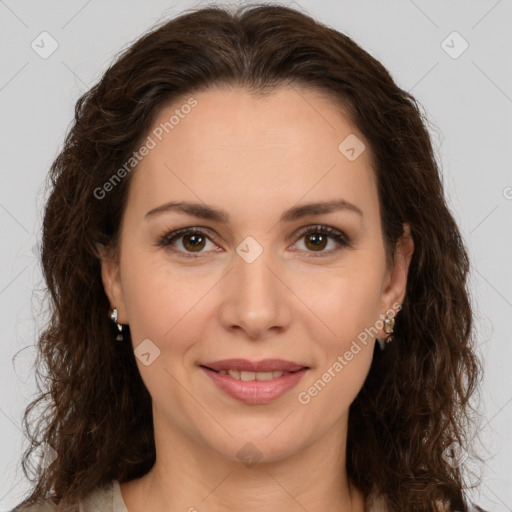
(332, 233)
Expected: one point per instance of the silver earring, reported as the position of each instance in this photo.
(113, 317)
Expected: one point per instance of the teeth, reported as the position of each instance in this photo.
(234, 373)
(248, 376)
(264, 376)
(245, 376)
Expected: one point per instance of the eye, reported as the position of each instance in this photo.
(192, 242)
(317, 238)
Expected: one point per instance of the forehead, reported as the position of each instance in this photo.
(236, 146)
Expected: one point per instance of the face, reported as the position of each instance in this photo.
(251, 273)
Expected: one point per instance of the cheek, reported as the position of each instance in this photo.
(343, 357)
(344, 301)
(163, 306)
(159, 297)
(334, 387)
(345, 306)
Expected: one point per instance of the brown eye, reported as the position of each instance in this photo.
(193, 242)
(317, 239)
(187, 242)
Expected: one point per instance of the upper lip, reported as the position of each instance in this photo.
(265, 365)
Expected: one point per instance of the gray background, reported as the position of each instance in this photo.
(468, 100)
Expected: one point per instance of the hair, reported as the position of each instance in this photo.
(95, 409)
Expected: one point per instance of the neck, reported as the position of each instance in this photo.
(192, 477)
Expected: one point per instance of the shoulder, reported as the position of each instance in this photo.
(99, 500)
(377, 503)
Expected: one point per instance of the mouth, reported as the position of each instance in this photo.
(254, 383)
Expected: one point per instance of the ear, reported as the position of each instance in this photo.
(111, 278)
(396, 282)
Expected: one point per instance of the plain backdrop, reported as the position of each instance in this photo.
(463, 80)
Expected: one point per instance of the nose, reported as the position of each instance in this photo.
(255, 298)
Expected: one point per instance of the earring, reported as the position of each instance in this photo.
(389, 325)
(113, 317)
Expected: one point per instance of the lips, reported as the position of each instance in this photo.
(254, 382)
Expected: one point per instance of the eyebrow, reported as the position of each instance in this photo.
(204, 211)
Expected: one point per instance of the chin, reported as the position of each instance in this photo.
(257, 448)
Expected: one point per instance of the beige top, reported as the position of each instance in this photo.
(105, 499)
(110, 499)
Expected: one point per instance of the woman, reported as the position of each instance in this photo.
(259, 293)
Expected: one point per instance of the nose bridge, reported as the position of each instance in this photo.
(255, 300)
(255, 281)
(255, 276)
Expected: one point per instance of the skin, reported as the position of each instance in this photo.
(254, 158)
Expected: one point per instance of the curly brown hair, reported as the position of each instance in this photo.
(415, 401)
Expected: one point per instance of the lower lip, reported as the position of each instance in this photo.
(255, 391)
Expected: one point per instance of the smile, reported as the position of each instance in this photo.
(254, 388)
